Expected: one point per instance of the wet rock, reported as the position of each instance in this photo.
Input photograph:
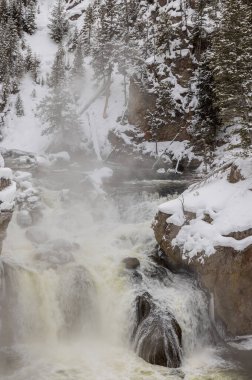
(143, 307)
(232, 303)
(159, 273)
(136, 276)
(157, 336)
(131, 263)
(24, 218)
(36, 235)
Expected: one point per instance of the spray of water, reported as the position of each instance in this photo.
(68, 305)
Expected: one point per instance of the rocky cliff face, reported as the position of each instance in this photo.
(139, 103)
(225, 274)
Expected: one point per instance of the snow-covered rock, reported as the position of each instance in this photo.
(208, 229)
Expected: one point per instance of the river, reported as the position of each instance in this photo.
(68, 302)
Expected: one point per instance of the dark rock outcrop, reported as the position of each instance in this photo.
(157, 337)
(226, 274)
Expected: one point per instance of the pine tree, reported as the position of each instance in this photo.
(198, 34)
(30, 18)
(35, 64)
(163, 113)
(19, 106)
(58, 69)
(5, 91)
(207, 122)
(58, 24)
(87, 29)
(58, 109)
(28, 59)
(231, 59)
(104, 46)
(11, 62)
(164, 34)
(74, 40)
(4, 13)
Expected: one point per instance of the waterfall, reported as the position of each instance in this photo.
(70, 309)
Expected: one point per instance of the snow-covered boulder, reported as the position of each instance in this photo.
(208, 229)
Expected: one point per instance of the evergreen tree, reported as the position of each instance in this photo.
(58, 109)
(58, 24)
(164, 34)
(73, 41)
(19, 106)
(87, 29)
(58, 69)
(30, 18)
(4, 13)
(163, 113)
(206, 114)
(35, 63)
(104, 46)
(28, 59)
(231, 61)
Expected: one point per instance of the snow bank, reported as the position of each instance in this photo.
(176, 149)
(6, 173)
(229, 207)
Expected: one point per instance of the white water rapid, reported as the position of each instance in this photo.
(68, 303)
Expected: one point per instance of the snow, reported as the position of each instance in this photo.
(21, 176)
(228, 205)
(6, 173)
(176, 149)
(7, 197)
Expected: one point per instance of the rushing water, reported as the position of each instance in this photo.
(70, 315)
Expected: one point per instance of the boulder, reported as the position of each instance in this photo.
(131, 263)
(157, 336)
(226, 275)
